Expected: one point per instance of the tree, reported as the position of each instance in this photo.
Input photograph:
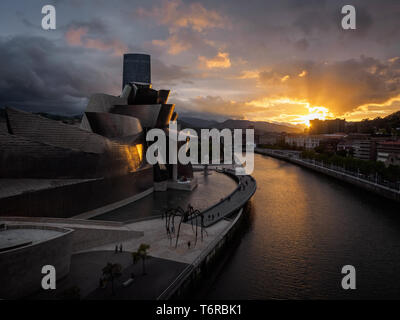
(141, 254)
(112, 271)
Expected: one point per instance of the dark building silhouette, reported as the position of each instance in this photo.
(327, 126)
(136, 69)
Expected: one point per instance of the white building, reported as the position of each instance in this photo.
(303, 141)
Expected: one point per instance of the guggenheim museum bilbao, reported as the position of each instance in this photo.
(52, 169)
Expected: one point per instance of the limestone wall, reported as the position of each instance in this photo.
(20, 269)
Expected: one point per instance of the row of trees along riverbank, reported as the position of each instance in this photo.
(370, 169)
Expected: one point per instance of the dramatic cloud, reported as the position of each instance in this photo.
(188, 25)
(38, 75)
(221, 60)
(173, 44)
(286, 60)
(166, 74)
(74, 36)
(79, 37)
(340, 86)
(176, 14)
(266, 109)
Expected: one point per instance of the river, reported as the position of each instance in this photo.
(301, 229)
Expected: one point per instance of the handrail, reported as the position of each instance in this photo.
(196, 261)
(317, 164)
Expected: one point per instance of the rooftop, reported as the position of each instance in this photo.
(12, 238)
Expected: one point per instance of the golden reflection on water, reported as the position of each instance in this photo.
(288, 214)
(304, 228)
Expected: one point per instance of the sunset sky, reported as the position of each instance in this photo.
(284, 61)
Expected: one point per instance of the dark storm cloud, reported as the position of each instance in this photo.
(164, 74)
(258, 35)
(36, 74)
(94, 26)
(39, 75)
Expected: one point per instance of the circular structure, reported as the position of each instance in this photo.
(24, 250)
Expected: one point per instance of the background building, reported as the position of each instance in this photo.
(327, 126)
(137, 68)
(389, 152)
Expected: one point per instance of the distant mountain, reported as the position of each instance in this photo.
(191, 122)
(259, 126)
(386, 125)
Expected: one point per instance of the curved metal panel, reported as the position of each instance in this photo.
(113, 125)
(174, 116)
(147, 114)
(163, 96)
(55, 133)
(144, 96)
(165, 115)
(101, 102)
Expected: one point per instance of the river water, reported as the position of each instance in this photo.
(301, 229)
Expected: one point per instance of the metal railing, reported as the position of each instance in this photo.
(203, 255)
(370, 179)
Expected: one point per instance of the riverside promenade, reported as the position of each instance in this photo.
(333, 171)
(168, 266)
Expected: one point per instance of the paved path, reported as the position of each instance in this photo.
(161, 247)
(167, 262)
(209, 192)
(86, 270)
(246, 188)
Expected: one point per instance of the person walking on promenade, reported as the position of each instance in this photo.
(120, 247)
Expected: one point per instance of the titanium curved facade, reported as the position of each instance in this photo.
(101, 161)
(113, 125)
(150, 116)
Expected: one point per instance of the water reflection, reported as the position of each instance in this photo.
(209, 191)
(303, 228)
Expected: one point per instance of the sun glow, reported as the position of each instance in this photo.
(320, 113)
(297, 112)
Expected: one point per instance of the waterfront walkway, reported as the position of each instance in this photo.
(209, 191)
(169, 265)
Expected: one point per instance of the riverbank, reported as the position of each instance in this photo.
(293, 157)
(174, 265)
(300, 228)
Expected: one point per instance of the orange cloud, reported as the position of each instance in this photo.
(186, 23)
(74, 36)
(117, 47)
(79, 37)
(303, 74)
(340, 86)
(176, 14)
(174, 45)
(220, 61)
(248, 74)
(285, 78)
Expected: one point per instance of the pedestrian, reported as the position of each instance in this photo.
(188, 244)
(120, 247)
(116, 248)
